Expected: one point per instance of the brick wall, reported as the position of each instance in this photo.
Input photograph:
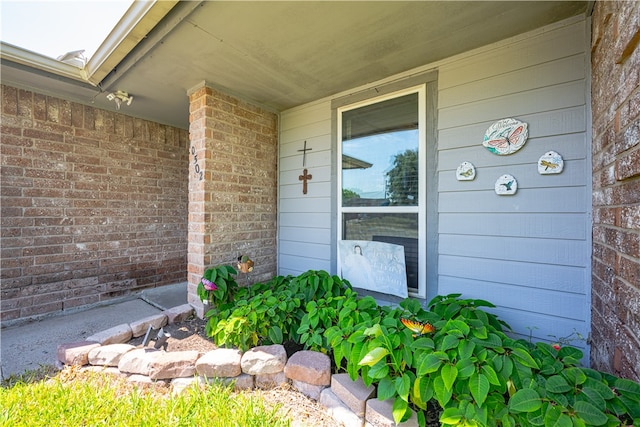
(232, 187)
(616, 188)
(94, 204)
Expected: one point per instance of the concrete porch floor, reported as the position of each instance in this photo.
(28, 346)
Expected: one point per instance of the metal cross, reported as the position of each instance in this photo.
(304, 154)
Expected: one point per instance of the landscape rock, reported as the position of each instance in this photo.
(241, 382)
(311, 367)
(178, 313)
(354, 394)
(380, 413)
(177, 364)
(269, 381)
(109, 355)
(266, 359)
(117, 334)
(312, 391)
(138, 361)
(221, 362)
(338, 410)
(76, 353)
(140, 327)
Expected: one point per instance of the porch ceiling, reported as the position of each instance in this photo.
(283, 54)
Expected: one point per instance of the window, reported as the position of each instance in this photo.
(382, 176)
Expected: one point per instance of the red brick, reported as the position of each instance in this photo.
(616, 262)
(74, 201)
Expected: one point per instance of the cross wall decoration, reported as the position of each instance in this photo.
(306, 176)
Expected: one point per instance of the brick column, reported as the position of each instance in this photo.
(615, 313)
(232, 187)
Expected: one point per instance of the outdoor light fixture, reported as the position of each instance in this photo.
(119, 97)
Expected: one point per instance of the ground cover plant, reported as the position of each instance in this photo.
(465, 362)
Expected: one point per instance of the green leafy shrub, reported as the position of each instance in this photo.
(481, 377)
(218, 286)
(468, 365)
(296, 309)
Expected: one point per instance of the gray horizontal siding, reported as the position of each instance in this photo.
(528, 253)
(304, 235)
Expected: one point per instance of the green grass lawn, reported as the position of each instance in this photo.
(77, 398)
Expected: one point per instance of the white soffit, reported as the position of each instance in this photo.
(133, 27)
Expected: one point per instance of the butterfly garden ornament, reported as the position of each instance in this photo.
(505, 136)
(419, 328)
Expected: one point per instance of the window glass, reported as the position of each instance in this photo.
(382, 161)
(380, 154)
(398, 229)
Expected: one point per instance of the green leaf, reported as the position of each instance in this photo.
(557, 384)
(632, 405)
(374, 356)
(592, 396)
(403, 385)
(379, 371)
(465, 349)
(575, 376)
(508, 421)
(589, 413)
(421, 392)
(430, 363)
(458, 325)
(492, 341)
(480, 332)
(423, 342)
(465, 368)
(443, 395)
(491, 375)
(600, 387)
(275, 335)
(524, 358)
(525, 400)
(400, 408)
(578, 422)
(386, 388)
(570, 353)
(451, 416)
(554, 417)
(479, 387)
(627, 387)
(375, 330)
(449, 342)
(449, 373)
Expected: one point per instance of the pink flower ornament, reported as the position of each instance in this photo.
(209, 285)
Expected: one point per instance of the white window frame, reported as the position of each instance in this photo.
(421, 209)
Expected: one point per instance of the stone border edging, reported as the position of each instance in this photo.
(309, 372)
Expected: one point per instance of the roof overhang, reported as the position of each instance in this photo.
(276, 54)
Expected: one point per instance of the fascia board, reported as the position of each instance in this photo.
(35, 60)
(132, 28)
